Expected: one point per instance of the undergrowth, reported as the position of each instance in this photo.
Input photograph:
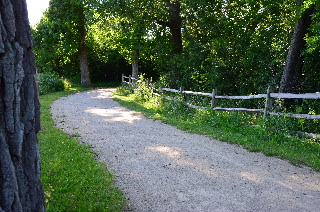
(50, 82)
(275, 136)
(73, 180)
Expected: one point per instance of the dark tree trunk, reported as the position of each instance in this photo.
(20, 185)
(174, 24)
(291, 76)
(135, 64)
(83, 52)
(84, 67)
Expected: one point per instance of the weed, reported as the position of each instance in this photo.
(75, 135)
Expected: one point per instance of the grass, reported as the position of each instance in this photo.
(73, 180)
(271, 136)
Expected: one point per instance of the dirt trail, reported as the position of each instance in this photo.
(161, 168)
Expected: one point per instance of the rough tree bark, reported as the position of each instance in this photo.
(84, 67)
(294, 63)
(83, 51)
(20, 185)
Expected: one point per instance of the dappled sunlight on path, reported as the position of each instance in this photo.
(115, 114)
(161, 168)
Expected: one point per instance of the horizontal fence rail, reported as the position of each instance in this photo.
(270, 96)
(295, 96)
(258, 96)
(300, 116)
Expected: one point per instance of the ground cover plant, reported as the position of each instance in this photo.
(275, 136)
(50, 82)
(73, 180)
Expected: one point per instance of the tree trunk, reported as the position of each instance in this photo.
(174, 24)
(135, 64)
(83, 52)
(20, 185)
(291, 76)
(84, 67)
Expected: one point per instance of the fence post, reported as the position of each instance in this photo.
(130, 80)
(122, 78)
(269, 102)
(148, 83)
(213, 100)
(181, 92)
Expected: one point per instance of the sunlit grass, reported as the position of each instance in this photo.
(73, 180)
(271, 136)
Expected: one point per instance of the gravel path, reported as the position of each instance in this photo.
(161, 168)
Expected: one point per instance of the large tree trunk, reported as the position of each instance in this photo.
(20, 185)
(174, 24)
(83, 52)
(135, 64)
(84, 67)
(290, 81)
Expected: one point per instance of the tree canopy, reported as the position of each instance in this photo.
(236, 46)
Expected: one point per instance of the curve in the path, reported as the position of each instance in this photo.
(161, 168)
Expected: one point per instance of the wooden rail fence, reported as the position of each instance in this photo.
(128, 80)
(270, 98)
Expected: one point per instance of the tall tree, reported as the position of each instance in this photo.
(63, 32)
(133, 23)
(294, 63)
(83, 50)
(20, 185)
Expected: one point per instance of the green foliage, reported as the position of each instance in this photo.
(73, 180)
(143, 91)
(52, 53)
(238, 47)
(50, 82)
(60, 36)
(275, 136)
(313, 38)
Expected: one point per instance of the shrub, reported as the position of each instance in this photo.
(50, 82)
(143, 91)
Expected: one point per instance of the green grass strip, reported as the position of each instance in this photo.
(73, 180)
(271, 136)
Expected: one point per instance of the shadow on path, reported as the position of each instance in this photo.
(161, 168)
